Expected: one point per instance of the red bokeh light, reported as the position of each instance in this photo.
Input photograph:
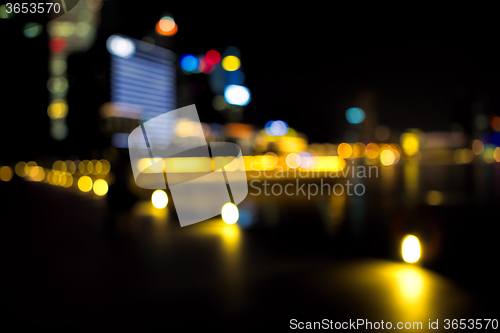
(212, 57)
(57, 44)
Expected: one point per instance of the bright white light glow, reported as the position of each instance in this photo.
(237, 95)
(159, 199)
(120, 47)
(411, 249)
(230, 213)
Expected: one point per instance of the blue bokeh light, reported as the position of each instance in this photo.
(189, 62)
(355, 115)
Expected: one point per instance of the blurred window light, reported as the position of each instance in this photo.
(100, 187)
(32, 30)
(212, 57)
(477, 147)
(344, 150)
(166, 26)
(237, 95)
(85, 184)
(6, 173)
(159, 199)
(231, 63)
(410, 249)
(189, 62)
(230, 213)
(355, 115)
(120, 47)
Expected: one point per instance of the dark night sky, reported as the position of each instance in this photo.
(303, 64)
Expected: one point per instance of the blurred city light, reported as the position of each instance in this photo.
(100, 187)
(305, 160)
(434, 198)
(57, 44)
(410, 249)
(32, 30)
(159, 199)
(359, 149)
(293, 160)
(387, 157)
(237, 95)
(6, 173)
(372, 150)
(189, 62)
(57, 109)
(85, 183)
(410, 143)
(231, 63)
(344, 150)
(120, 47)
(477, 147)
(276, 128)
(355, 115)
(230, 213)
(496, 154)
(212, 57)
(463, 155)
(166, 26)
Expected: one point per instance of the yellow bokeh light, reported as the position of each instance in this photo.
(231, 63)
(20, 169)
(488, 155)
(463, 156)
(159, 199)
(293, 160)
(372, 150)
(70, 166)
(269, 161)
(85, 183)
(410, 143)
(68, 180)
(97, 167)
(57, 109)
(496, 154)
(344, 150)
(100, 187)
(105, 167)
(387, 157)
(434, 198)
(477, 147)
(410, 249)
(230, 213)
(6, 173)
(359, 149)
